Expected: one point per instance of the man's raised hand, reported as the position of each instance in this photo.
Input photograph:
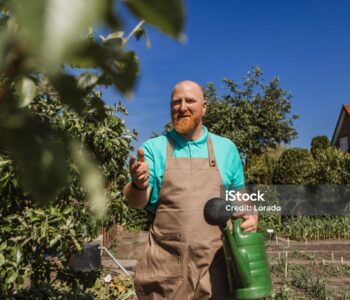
(139, 170)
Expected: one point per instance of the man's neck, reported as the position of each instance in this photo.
(194, 134)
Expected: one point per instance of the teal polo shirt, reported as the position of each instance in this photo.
(227, 158)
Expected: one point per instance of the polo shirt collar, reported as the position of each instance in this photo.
(183, 142)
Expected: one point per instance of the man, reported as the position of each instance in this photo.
(175, 175)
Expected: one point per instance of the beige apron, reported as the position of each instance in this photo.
(182, 246)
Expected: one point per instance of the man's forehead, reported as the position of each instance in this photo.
(188, 87)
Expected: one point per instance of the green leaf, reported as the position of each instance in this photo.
(33, 150)
(39, 212)
(55, 240)
(167, 16)
(3, 246)
(18, 255)
(70, 93)
(4, 163)
(87, 80)
(125, 71)
(54, 28)
(11, 277)
(115, 39)
(91, 179)
(2, 259)
(76, 244)
(25, 90)
(143, 32)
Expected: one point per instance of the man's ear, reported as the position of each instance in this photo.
(204, 107)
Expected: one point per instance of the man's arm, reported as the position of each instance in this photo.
(138, 191)
(136, 198)
(250, 218)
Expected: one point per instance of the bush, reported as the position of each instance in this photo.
(332, 167)
(295, 166)
(29, 234)
(319, 144)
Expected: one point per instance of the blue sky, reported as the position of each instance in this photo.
(305, 43)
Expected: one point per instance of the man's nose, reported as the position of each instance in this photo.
(183, 106)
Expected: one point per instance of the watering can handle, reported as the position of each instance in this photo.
(242, 261)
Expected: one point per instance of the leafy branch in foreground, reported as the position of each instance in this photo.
(40, 42)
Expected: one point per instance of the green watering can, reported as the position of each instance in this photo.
(247, 266)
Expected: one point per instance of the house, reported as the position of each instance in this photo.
(341, 135)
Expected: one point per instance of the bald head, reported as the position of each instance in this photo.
(188, 85)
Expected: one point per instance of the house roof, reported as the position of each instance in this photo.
(345, 111)
(347, 108)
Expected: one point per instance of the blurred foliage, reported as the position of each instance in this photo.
(254, 115)
(40, 41)
(60, 145)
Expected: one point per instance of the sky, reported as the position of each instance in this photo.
(304, 43)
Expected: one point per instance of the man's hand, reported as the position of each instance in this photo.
(139, 170)
(138, 197)
(250, 223)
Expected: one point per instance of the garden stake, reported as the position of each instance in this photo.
(332, 256)
(305, 241)
(342, 261)
(276, 240)
(286, 266)
(288, 243)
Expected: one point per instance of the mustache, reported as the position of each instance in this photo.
(183, 116)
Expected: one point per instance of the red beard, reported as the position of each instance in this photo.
(185, 124)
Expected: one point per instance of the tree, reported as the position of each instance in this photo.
(295, 166)
(259, 168)
(253, 115)
(319, 144)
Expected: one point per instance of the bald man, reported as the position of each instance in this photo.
(174, 176)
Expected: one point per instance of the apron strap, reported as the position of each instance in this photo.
(212, 160)
(170, 149)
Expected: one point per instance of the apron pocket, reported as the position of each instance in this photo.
(166, 256)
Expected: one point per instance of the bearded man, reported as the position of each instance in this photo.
(175, 175)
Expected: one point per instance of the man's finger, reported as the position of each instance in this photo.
(250, 229)
(140, 155)
(132, 160)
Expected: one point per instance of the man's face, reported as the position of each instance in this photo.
(187, 107)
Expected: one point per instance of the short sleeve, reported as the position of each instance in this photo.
(237, 180)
